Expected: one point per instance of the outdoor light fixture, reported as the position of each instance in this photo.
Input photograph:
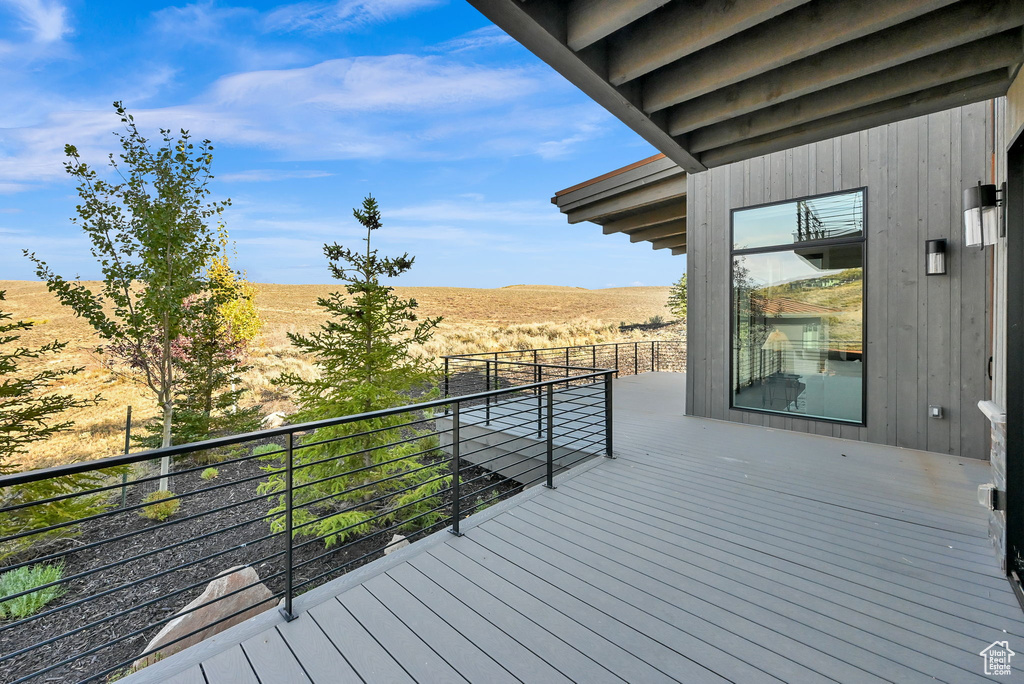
(982, 224)
(935, 257)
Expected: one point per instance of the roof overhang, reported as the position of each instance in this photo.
(708, 83)
(646, 200)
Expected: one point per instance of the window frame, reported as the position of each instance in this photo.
(862, 239)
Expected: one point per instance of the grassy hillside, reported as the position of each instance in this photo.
(519, 316)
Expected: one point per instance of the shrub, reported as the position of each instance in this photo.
(25, 578)
(656, 320)
(162, 505)
(210, 474)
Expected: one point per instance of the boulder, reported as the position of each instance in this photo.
(206, 610)
(397, 542)
(274, 420)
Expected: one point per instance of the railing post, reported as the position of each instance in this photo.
(636, 358)
(652, 356)
(593, 356)
(127, 449)
(608, 416)
(456, 467)
(488, 399)
(540, 402)
(551, 438)
(616, 358)
(446, 372)
(289, 581)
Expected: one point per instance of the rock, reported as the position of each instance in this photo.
(274, 420)
(203, 612)
(397, 542)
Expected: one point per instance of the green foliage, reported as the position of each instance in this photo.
(29, 412)
(264, 449)
(162, 505)
(46, 515)
(677, 298)
(149, 230)
(28, 407)
(655, 321)
(362, 355)
(209, 474)
(23, 579)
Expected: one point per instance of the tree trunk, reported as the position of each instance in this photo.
(165, 462)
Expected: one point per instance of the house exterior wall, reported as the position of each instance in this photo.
(927, 338)
(1009, 122)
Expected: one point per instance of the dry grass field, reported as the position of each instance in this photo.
(515, 317)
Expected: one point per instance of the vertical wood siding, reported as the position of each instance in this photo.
(928, 339)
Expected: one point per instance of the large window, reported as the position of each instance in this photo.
(798, 308)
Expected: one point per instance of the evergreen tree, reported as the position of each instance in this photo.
(210, 357)
(30, 411)
(362, 357)
(677, 298)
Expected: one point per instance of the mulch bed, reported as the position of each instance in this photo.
(239, 546)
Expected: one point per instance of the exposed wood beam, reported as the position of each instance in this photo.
(663, 171)
(660, 231)
(804, 31)
(648, 194)
(977, 89)
(682, 29)
(665, 243)
(591, 20)
(962, 23)
(957, 64)
(533, 26)
(677, 251)
(671, 212)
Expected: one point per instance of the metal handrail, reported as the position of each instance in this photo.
(591, 437)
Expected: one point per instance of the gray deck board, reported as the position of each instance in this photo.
(320, 659)
(465, 658)
(230, 667)
(551, 647)
(401, 641)
(193, 675)
(704, 552)
(366, 656)
(272, 660)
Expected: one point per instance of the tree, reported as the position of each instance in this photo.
(362, 357)
(30, 411)
(677, 298)
(150, 234)
(210, 357)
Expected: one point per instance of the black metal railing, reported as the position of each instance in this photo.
(300, 505)
(483, 371)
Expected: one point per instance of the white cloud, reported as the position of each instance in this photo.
(268, 175)
(341, 15)
(45, 20)
(396, 106)
(486, 37)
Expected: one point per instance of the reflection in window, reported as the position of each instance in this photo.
(798, 326)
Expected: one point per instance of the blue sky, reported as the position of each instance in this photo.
(460, 133)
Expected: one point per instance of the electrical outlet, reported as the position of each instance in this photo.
(935, 411)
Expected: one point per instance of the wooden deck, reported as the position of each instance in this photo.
(705, 552)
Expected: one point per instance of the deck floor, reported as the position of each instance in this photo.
(705, 552)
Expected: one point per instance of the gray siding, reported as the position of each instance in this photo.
(928, 339)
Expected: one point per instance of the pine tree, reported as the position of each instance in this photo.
(210, 357)
(362, 357)
(677, 298)
(30, 411)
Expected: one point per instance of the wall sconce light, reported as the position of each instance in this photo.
(982, 218)
(935, 257)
